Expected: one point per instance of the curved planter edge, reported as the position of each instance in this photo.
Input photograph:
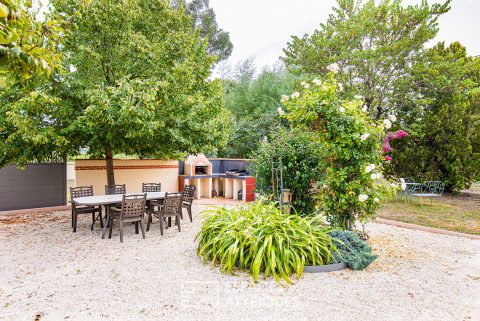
(325, 268)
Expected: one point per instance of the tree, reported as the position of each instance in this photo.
(203, 18)
(373, 43)
(444, 145)
(137, 83)
(254, 103)
(28, 45)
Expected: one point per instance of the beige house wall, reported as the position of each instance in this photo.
(131, 172)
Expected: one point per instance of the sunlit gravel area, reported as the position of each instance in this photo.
(47, 270)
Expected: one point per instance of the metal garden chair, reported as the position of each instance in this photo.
(131, 211)
(82, 191)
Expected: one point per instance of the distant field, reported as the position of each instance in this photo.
(454, 213)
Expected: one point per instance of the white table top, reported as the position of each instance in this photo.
(112, 199)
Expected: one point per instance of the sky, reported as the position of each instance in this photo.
(262, 28)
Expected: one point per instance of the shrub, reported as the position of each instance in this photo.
(258, 237)
(356, 253)
(351, 140)
(301, 157)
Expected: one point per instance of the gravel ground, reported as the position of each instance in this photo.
(47, 270)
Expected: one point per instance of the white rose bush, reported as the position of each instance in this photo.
(353, 185)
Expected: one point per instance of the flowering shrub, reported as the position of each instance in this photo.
(353, 183)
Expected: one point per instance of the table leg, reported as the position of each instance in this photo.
(107, 221)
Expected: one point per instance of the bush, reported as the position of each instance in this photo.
(301, 160)
(258, 237)
(356, 253)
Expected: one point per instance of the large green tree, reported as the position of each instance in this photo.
(204, 19)
(372, 42)
(137, 84)
(28, 43)
(254, 103)
(442, 115)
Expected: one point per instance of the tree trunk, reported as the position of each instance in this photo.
(109, 163)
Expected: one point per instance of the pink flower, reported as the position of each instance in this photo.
(391, 136)
(388, 158)
(386, 147)
(401, 134)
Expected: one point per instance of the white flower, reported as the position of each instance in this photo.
(358, 97)
(364, 136)
(388, 123)
(306, 86)
(342, 109)
(376, 200)
(392, 118)
(280, 111)
(303, 83)
(379, 175)
(324, 88)
(340, 86)
(402, 180)
(317, 82)
(73, 68)
(373, 176)
(362, 197)
(365, 108)
(284, 98)
(404, 186)
(369, 168)
(295, 94)
(333, 68)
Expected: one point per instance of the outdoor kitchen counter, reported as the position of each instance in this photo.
(236, 187)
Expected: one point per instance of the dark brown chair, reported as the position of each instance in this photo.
(83, 191)
(115, 189)
(131, 211)
(171, 207)
(188, 195)
(151, 187)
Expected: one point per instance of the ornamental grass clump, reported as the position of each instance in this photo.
(259, 238)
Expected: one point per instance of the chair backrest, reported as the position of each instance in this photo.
(115, 189)
(433, 187)
(151, 187)
(172, 203)
(81, 191)
(133, 205)
(189, 193)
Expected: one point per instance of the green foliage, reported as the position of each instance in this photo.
(445, 144)
(302, 157)
(351, 144)
(258, 238)
(253, 102)
(203, 18)
(28, 45)
(356, 253)
(137, 83)
(373, 42)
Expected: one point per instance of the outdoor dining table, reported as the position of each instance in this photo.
(106, 200)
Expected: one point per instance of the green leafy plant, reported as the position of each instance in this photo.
(356, 253)
(258, 238)
(353, 183)
(301, 156)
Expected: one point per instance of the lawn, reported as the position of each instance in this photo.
(454, 213)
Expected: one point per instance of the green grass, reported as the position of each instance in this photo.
(451, 213)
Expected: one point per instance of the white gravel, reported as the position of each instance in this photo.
(45, 269)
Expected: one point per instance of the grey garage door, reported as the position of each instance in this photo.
(38, 185)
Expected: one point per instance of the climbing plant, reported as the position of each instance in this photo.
(353, 183)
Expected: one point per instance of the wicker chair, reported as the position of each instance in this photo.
(115, 189)
(131, 211)
(188, 195)
(82, 191)
(171, 207)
